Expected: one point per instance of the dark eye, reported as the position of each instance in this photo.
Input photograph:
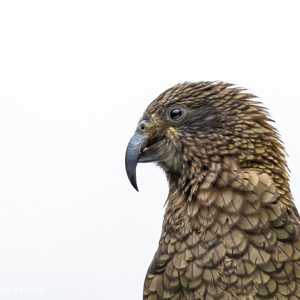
(175, 114)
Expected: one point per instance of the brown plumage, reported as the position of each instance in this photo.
(231, 229)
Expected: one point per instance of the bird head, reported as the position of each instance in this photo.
(190, 128)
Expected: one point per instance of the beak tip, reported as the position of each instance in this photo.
(133, 182)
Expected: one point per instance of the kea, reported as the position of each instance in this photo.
(231, 229)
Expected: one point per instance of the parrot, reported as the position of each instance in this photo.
(231, 228)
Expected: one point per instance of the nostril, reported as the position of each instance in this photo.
(142, 126)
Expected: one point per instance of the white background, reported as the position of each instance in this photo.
(75, 77)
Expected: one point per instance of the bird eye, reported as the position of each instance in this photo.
(175, 114)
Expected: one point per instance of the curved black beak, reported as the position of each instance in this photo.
(134, 149)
